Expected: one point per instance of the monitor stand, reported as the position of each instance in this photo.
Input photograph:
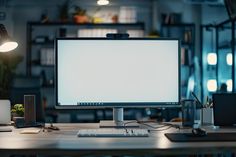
(118, 120)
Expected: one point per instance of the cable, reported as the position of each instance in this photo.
(154, 128)
(160, 123)
(161, 129)
(128, 122)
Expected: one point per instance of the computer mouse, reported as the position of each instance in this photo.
(199, 132)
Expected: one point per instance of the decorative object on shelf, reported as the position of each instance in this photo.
(171, 18)
(41, 39)
(135, 33)
(18, 110)
(95, 32)
(115, 19)
(128, 14)
(79, 16)
(154, 34)
(186, 56)
(47, 56)
(62, 32)
(187, 36)
(63, 11)
(44, 17)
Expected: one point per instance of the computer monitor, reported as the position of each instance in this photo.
(117, 73)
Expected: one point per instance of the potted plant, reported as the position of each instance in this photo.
(79, 16)
(17, 114)
(17, 110)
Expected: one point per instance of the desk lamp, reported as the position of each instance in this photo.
(6, 43)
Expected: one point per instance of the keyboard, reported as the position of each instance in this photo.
(111, 132)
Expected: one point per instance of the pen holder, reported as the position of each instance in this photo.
(189, 108)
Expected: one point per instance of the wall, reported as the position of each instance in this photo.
(19, 12)
(210, 15)
(148, 11)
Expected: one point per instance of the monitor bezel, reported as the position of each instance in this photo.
(116, 104)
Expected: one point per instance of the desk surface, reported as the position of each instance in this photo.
(65, 142)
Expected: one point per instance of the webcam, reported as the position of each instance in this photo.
(117, 35)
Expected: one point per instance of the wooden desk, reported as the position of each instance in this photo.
(65, 142)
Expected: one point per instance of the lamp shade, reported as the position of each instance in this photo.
(6, 44)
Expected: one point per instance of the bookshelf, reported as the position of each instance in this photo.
(222, 35)
(186, 33)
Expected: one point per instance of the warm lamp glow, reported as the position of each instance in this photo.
(229, 59)
(212, 85)
(8, 46)
(229, 85)
(211, 59)
(103, 2)
(6, 43)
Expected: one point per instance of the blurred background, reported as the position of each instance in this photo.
(206, 31)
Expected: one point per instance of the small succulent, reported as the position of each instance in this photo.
(18, 109)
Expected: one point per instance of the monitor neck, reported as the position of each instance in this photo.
(118, 120)
(118, 114)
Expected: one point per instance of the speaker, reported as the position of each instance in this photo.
(30, 109)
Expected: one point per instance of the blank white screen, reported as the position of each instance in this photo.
(117, 71)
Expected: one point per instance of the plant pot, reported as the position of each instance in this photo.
(19, 122)
(80, 19)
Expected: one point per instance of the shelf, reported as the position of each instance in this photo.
(49, 66)
(47, 86)
(41, 65)
(189, 44)
(49, 43)
(225, 45)
(84, 24)
(87, 25)
(179, 25)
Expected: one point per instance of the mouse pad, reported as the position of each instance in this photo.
(210, 137)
